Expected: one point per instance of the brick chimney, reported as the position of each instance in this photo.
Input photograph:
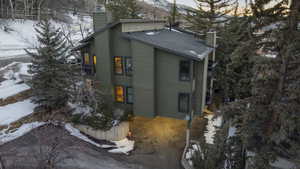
(101, 16)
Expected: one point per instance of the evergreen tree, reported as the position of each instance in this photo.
(124, 9)
(233, 72)
(270, 118)
(210, 14)
(50, 84)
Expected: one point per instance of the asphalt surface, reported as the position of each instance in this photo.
(70, 152)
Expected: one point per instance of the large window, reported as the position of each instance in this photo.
(124, 94)
(129, 95)
(119, 92)
(185, 70)
(123, 64)
(183, 102)
(118, 64)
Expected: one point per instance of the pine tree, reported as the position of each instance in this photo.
(233, 72)
(270, 117)
(50, 84)
(124, 9)
(210, 14)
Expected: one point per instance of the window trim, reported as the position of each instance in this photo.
(122, 65)
(189, 101)
(127, 102)
(190, 65)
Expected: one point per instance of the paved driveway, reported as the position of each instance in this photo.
(72, 153)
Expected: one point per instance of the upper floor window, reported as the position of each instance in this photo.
(128, 66)
(86, 58)
(183, 102)
(185, 70)
(118, 64)
(123, 64)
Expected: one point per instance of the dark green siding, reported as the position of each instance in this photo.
(168, 85)
(143, 79)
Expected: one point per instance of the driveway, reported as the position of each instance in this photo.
(70, 152)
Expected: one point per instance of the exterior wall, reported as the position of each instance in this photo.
(133, 27)
(168, 85)
(143, 79)
(200, 85)
(103, 66)
(120, 47)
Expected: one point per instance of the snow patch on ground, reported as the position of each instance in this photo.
(14, 112)
(24, 129)
(213, 124)
(13, 85)
(22, 34)
(123, 146)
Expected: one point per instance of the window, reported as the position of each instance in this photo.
(94, 60)
(184, 72)
(118, 65)
(86, 58)
(128, 66)
(183, 102)
(119, 92)
(129, 95)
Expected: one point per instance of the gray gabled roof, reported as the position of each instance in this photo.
(173, 41)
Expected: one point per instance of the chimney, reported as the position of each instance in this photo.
(211, 40)
(101, 17)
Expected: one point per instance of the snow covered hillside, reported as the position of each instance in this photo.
(21, 34)
(166, 5)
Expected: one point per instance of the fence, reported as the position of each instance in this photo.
(114, 134)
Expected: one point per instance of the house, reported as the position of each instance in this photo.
(147, 68)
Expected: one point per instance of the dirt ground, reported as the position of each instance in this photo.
(160, 141)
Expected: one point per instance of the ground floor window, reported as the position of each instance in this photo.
(124, 94)
(183, 102)
(119, 93)
(129, 95)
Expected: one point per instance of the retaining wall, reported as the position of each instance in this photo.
(114, 134)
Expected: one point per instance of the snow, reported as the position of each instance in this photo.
(211, 127)
(13, 85)
(14, 112)
(231, 132)
(151, 33)
(75, 132)
(9, 88)
(23, 35)
(201, 56)
(24, 129)
(123, 146)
